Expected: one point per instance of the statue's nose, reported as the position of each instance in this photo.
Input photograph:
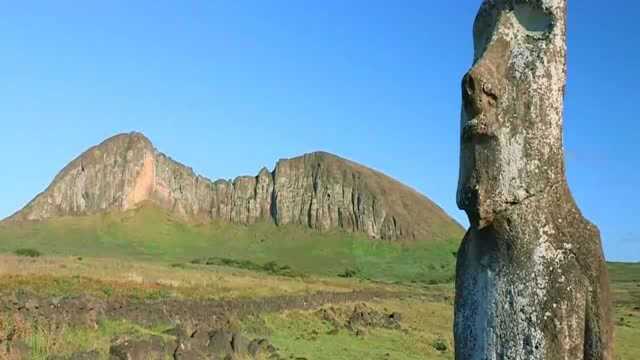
(471, 104)
(478, 94)
(469, 84)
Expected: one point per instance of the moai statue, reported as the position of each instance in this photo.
(531, 278)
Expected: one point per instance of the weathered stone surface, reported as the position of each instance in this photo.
(318, 190)
(261, 348)
(531, 279)
(155, 348)
(324, 191)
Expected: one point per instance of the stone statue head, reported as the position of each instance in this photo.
(511, 142)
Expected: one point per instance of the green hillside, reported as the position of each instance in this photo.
(151, 234)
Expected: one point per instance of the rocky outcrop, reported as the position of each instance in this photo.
(318, 190)
(324, 192)
(531, 280)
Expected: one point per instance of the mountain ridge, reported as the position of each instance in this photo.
(320, 190)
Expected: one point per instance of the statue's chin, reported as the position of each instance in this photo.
(479, 218)
(471, 202)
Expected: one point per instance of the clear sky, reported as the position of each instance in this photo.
(230, 86)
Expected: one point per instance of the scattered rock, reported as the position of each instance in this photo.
(178, 332)
(18, 350)
(330, 315)
(87, 310)
(261, 347)
(360, 332)
(221, 342)
(395, 317)
(56, 357)
(154, 347)
(31, 304)
(191, 336)
(364, 316)
(361, 317)
(90, 355)
(192, 347)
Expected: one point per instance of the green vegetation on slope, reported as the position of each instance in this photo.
(150, 234)
(624, 272)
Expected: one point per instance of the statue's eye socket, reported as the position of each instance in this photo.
(484, 27)
(533, 18)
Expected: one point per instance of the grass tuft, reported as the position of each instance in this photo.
(28, 253)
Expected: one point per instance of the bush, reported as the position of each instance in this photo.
(349, 273)
(440, 345)
(107, 290)
(28, 252)
(240, 264)
(271, 267)
(274, 268)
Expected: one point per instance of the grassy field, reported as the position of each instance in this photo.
(426, 309)
(426, 333)
(625, 279)
(150, 234)
(122, 256)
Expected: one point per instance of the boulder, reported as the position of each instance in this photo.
(261, 348)
(153, 348)
(88, 355)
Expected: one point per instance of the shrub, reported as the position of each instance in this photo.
(271, 267)
(240, 264)
(274, 268)
(349, 273)
(107, 290)
(28, 252)
(440, 345)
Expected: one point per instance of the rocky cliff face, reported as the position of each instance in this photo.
(318, 190)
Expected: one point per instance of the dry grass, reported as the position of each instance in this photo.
(120, 277)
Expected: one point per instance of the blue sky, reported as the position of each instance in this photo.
(230, 86)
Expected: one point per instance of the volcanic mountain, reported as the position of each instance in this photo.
(317, 190)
